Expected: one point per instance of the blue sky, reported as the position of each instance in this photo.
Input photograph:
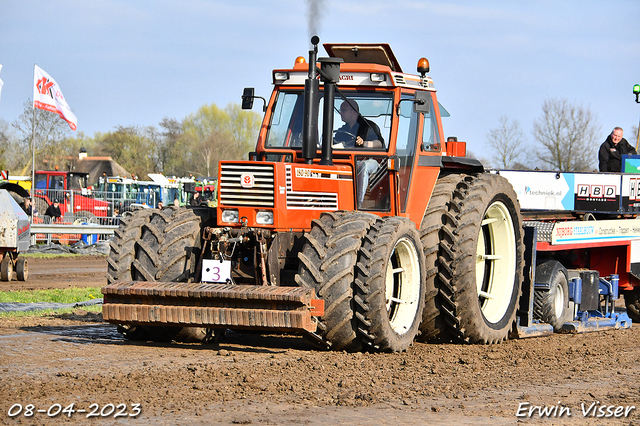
(136, 62)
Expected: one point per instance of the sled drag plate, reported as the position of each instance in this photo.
(211, 305)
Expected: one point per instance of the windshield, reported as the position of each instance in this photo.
(372, 123)
(77, 181)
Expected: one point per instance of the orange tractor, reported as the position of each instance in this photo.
(361, 236)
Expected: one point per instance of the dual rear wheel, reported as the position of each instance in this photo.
(472, 234)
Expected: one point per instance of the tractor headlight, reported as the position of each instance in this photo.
(264, 217)
(230, 216)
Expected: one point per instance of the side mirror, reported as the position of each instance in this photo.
(422, 102)
(247, 97)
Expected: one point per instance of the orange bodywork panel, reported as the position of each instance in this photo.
(296, 193)
(420, 189)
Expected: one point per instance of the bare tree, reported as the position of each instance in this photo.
(48, 131)
(131, 147)
(9, 149)
(568, 136)
(212, 134)
(506, 140)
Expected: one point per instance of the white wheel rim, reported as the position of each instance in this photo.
(402, 286)
(495, 262)
(558, 301)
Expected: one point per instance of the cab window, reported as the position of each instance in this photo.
(430, 132)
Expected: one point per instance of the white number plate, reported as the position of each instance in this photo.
(216, 271)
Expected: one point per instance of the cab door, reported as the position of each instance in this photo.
(415, 181)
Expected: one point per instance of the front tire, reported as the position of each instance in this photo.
(327, 264)
(168, 251)
(390, 285)
(481, 260)
(122, 247)
(121, 256)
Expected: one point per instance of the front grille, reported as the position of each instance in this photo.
(232, 193)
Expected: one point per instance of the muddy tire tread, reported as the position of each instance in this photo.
(369, 299)
(327, 264)
(432, 231)
(456, 261)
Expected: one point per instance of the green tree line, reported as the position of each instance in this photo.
(193, 145)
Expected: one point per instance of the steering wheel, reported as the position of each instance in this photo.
(347, 136)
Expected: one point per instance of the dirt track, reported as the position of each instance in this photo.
(262, 379)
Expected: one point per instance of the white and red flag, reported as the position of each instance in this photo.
(47, 95)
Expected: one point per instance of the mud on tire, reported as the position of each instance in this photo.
(432, 231)
(122, 247)
(389, 285)
(168, 251)
(327, 264)
(480, 263)
(121, 256)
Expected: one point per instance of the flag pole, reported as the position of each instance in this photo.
(33, 152)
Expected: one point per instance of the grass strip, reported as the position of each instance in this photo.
(50, 312)
(66, 295)
(61, 295)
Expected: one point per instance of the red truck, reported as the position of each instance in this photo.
(71, 191)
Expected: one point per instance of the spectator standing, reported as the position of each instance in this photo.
(195, 201)
(28, 208)
(53, 211)
(612, 150)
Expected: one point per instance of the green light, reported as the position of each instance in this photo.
(636, 89)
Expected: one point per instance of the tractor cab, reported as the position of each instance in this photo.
(368, 115)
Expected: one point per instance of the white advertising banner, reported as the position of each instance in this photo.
(595, 231)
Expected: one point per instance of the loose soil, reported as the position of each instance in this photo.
(251, 378)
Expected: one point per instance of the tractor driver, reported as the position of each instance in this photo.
(359, 132)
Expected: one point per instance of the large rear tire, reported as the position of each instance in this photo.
(481, 259)
(168, 251)
(327, 264)
(552, 305)
(390, 285)
(632, 302)
(432, 231)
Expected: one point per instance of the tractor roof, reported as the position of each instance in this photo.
(364, 53)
